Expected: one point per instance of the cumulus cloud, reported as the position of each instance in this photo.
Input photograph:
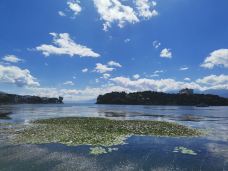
(163, 85)
(216, 58)
(17, 76)
(215, 81)
(74, 6)
(100, 68)
(115, 64)
(64, 45)
(146, 8)
(69, 83)
(85, 70)
(166, 53)
(114, 11)
(211, 82)
(87, 93)
(12, 59)
(129, 85)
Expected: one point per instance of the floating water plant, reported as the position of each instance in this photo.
(97, 150)
(101, 150)
(184, 150)
(96, 131)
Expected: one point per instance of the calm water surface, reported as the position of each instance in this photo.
(140, 152)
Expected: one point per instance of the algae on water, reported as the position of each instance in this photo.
(184, 150)
(96, 131)
(97, 150)
(101, 150)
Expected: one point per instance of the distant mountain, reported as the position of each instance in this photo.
(222, 93)
(18, 99)
(159, 98)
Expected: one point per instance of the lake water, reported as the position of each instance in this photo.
(140, 152)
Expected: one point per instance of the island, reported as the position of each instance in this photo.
(185, 97)
(6, 98)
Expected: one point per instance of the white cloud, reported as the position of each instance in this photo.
(215, 81)
(74, 94)
(166, 53)
(154, 75)
(158, 71)
(183, 68)
(64, 45)
(106, 76)
(61, 13)
(187, 79)
(163, 85)
(115, 64)
(85, 70)
(156, 44)
(70, 83)
(114, 11)
(136, 76)
(74, 6)
(146, 8)
(100, 68)
(127, 40)
(216, 58)
(17, 76)
(211, 82)
(128, 85)
(12, 59)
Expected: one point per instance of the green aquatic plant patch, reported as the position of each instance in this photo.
(76, 131)
(184, 150)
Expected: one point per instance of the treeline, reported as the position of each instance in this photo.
(18, 99)
(159, 98)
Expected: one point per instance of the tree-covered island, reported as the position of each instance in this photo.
(185, 97)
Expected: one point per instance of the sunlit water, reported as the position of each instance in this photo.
(140, 152)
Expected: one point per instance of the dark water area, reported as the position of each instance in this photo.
(139, 152)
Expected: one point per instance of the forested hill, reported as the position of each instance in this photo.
(18, 99)
(159, 98)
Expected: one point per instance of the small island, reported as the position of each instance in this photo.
(18, 99)
(185, 97)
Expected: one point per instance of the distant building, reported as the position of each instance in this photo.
(186, 91)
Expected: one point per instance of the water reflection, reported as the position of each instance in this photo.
(141, 153)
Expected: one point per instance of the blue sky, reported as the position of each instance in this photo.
(79, 49)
